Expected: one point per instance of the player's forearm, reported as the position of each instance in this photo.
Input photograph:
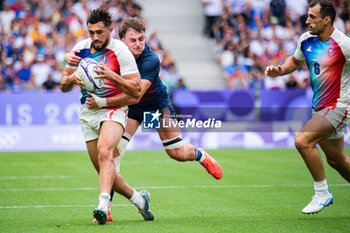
(290, 65)
(66, 83)
(121, 99)
(129, 84)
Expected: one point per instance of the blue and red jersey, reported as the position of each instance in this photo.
(328, 63)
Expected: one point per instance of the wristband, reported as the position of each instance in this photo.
(101, 102)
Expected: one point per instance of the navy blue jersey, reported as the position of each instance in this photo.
(157, 95)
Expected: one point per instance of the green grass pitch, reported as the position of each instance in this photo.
(261, 191)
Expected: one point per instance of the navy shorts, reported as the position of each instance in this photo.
(164, 106)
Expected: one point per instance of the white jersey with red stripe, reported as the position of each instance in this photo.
(329, 67)
(116, 56)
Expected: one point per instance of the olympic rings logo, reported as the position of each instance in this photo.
(9, 139)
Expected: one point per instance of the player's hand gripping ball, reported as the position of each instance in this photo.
(87, 75)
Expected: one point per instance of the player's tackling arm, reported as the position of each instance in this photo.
(121, 99)
(71, 59)
(130, 84)
(290, 65)
(128, 81)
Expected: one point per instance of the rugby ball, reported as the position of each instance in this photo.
(87, 75)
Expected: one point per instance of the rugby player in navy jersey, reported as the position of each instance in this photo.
(154, 97)
(103, 128)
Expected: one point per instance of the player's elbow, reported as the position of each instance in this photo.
(131, 100)
(136, 93)
(65, 87)
(134, 101)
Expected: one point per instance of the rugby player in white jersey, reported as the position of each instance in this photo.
(154, 97)
(326, 51)
(103, 128)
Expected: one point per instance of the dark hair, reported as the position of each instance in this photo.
(131, 22)
(99, 15)
(327, 8)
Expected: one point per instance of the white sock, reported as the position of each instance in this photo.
(104, 200)
(202, 158)
(137, 200)
(128, 136)
(321, 187)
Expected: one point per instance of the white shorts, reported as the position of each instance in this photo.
(91, 120)
(338, 117)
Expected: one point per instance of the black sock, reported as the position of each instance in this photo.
(112, 193)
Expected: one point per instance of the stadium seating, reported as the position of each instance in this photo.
(35, 36)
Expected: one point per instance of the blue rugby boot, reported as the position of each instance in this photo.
(146, 211)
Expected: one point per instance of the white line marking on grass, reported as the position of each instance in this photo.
(179, 187)
(48, 189)
(236, 186)
(25, 164)
(34, 177)
(57, 206)
(74, 164)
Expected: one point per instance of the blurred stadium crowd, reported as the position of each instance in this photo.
(248, 35)
(35, 35)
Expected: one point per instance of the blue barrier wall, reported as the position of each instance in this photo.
(39, 121)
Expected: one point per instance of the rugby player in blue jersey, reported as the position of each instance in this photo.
(154, 97)
(326, 52)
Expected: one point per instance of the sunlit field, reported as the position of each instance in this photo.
(261, 191)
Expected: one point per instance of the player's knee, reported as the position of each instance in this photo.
(105, 155)
(336, 163)
(300, 141)
(332, 163)
(175, 148)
